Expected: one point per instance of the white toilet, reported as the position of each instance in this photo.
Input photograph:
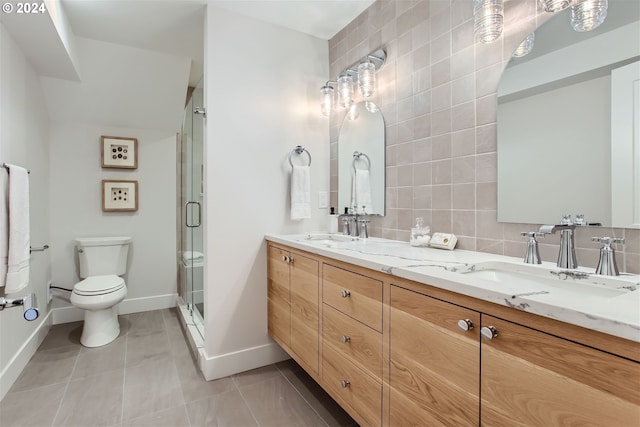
(102, 260)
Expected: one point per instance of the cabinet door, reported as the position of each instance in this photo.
(434, 370)
(278, 295)
(530, 378)
(305, 322)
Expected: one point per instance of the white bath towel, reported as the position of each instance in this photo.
(362, 191)
(14, 229)
(300, 192)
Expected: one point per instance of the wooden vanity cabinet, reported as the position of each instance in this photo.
(293, 305)
(531, 378)
(434, 364)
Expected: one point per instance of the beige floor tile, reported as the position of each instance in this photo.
(62, 335)
(99, 360)
(174, 417)
(145, 323)
(144, 348)
(225, 409)
(194, 386)
(256, 375)
(150, 387)
(93, 401)
(276, 403)
(36, 407)
(50, 366)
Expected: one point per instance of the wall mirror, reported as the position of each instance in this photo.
(565, 127)
(361, 160)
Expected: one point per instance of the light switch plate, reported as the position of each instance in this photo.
(323, 200)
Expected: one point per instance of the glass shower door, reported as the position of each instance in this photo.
(193, 198)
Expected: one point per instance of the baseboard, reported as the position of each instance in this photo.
(239, 361)
(133, 305)
(14, 368)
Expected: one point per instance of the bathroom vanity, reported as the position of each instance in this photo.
(404, 336)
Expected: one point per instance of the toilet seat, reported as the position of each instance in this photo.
(99, 285)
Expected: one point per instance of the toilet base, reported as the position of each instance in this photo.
(100, 327)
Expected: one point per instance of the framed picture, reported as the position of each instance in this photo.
(119, 196)
(118, 152)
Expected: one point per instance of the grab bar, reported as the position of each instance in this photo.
(299, 150)
(356, 156)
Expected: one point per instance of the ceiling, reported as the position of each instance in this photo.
(176, 27)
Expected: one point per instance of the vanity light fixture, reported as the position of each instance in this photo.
(326, 105)
(488, 17)
(345, 90)
(552, 6)
(588, 14)
(525, 47)
(363, 72)
(353, 112)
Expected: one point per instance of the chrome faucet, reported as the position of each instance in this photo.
(567, 254)
(607, 262)
(533, 255)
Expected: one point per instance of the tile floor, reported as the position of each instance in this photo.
(147, 377)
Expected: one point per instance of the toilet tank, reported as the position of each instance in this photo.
(99, 256)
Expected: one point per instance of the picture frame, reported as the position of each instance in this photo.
(119, 196)
(119, 152)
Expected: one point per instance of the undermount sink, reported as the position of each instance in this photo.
(530, 280)
(327, 238)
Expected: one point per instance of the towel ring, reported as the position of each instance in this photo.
(299, 150)
(356, 156)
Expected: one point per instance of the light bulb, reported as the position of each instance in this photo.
(588, 15)
(326, 105)
(353, 112)
(367, 79)
(345, 90)
(371, 107)
(487, 19)
(555, 5)
(525, 47)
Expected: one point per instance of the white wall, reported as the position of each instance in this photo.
(262, 87)
(24, 135)
(76, 206)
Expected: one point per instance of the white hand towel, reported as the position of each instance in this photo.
(17, 250)
(300, 192)
(363, 191)
(4, 225)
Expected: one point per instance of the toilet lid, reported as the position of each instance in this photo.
(96, 285)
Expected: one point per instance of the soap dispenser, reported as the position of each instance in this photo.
(420, 234)
(607, 263)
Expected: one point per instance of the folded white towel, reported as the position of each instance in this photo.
(362, 191)
(300, 192)
(14, 231)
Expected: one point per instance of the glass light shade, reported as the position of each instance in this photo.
(371, 106)
(345, 90)
(488, 16)
(525, 47)
(367, 79)
(588, 15)
(555, 5)
(326, 105)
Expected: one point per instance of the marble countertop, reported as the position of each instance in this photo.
(606, 304)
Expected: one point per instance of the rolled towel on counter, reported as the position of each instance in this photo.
(300, 192)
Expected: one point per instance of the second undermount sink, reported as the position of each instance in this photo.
(528, 279)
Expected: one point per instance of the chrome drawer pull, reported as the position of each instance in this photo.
(345, 383)
(346, 339)
(466, 324)
(345, 293)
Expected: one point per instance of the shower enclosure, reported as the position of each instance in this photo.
(191, 262)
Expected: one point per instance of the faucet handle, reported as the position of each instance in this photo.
(607, 263)
(533, 255)
(533, 234)
(566, 219)
(607, 240)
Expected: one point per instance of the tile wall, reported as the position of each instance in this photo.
(437, 94)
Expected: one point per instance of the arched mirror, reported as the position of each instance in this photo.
(566, 118)
(361, 160)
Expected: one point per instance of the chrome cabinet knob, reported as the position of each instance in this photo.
(287, 259)
(346, 339)
(345, 383)
(465, 324)
(489, 332)
(345, 293)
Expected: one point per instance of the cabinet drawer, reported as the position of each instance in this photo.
(353, 340)
(360, 393)
(354, 294)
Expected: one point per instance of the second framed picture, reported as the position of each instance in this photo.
(119, 196)
(119, 152)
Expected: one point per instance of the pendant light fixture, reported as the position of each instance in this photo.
(488, 17)
(345, 90)
(588, 14)
(367, 78)
(552, 6)
(525, 47)
(326, 103)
